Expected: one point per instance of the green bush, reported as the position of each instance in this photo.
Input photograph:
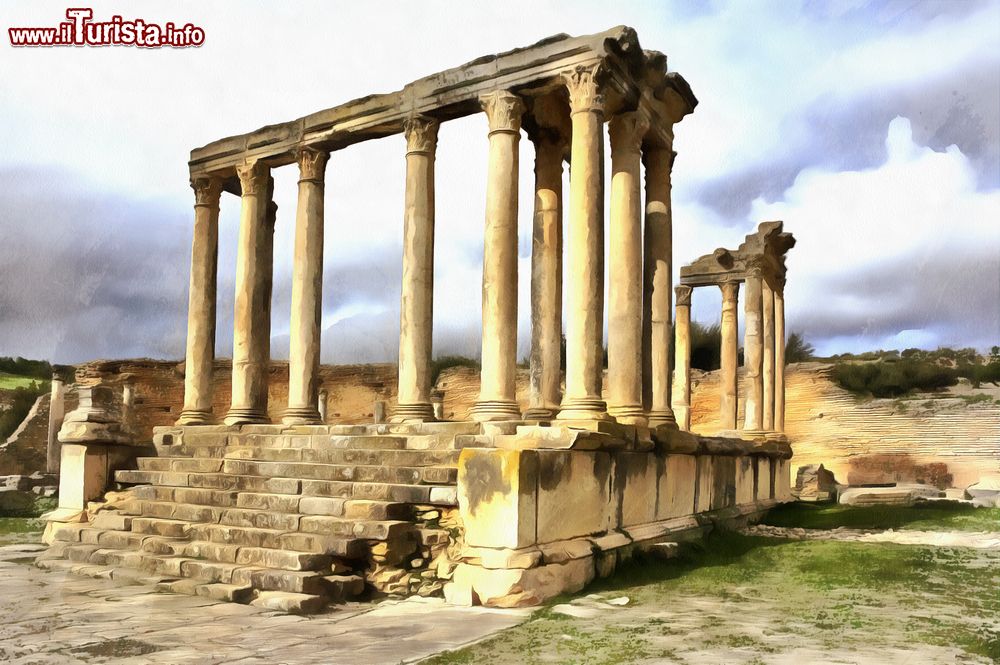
(798, 350)
(442, 363)
(893, 378)
(706, 346)
(22, 399)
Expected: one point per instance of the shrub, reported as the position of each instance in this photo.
(706, 346)
(442, 363)
(892, 378)
(798, 350)
(21, 401)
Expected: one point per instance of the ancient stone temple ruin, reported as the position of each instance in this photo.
(517, 502)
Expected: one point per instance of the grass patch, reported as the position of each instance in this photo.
(10, 381)
(17, 530)
(920, 517)
(743, 599)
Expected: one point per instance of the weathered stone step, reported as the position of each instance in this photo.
(402, 458)
(402, 493)
(244, 574)
(317, 543)
(307, 505)
(426, 475)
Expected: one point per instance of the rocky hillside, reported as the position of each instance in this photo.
(945, 438)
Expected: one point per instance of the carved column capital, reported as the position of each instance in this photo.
(421, 134)
(207, 191)
(730, 291)
(503, 110)
(312, 164)
(682, 295)
(584, 84)
(254, 177)
(626, 131)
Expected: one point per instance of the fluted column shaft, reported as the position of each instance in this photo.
(682, 358)
(497, 398)
(546, 280)
(416, 311)
(729, 356)
(753, 351)
(767, 311)
(252, 316)
(200, 355)
(625, 290)
(307, 292)
(657, 287)
(584, 272)
(779, 360)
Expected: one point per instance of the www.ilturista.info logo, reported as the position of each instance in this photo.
(81, 30)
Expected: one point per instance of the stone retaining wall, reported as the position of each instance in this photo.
(544, 521)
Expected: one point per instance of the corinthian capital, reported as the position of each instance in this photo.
(421, 134)
(207, 190)
(584, 86)
(312, 164)
(730, 291)
(255, 177)
(503, 110)
(627, 131)
(682, 295)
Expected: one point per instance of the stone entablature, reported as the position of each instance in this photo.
(763, 250)
(634, 78)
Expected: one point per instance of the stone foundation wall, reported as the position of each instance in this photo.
(540, 522)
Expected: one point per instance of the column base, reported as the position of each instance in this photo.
(661, 418)
(630, 414)
(421, 412)
(540, 413)
(246, 416)
(497, 409)
(195, 417)
(301, 415)
(583, 408)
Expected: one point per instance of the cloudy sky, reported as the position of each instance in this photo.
(871, 128)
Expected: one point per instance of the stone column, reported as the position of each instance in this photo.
(753, 349)
(585, 250)
(497, 398)
(729, 357)
(200, 355)
(546, 280)
(252, 317)
(57, 407)
(657, 292)
(682, 358)
(779, 359)
(625, 272)
(307, 293)
(416, 310)
(767, 311)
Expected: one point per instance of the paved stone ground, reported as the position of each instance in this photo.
(986, 540)
(55, 618)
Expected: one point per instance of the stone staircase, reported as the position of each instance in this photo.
(284, 518)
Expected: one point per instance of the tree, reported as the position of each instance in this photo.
(798, 350)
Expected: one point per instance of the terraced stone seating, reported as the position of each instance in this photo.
(289, 520)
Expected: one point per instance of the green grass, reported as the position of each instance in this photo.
(15, 530)
(10, 381)
(742, 599)
(921, 517)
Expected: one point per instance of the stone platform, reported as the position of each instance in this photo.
(503, 514)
